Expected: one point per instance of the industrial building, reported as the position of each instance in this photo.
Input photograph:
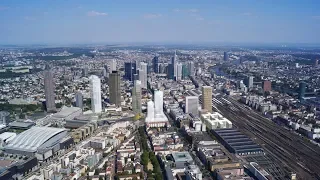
(236, 142)
(36, 139)
(21, 125)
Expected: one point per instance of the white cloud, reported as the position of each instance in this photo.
(95, 13)
(152, 16)
(28, 18)
(176, 10)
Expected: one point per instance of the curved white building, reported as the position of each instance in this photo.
(35, 139)
(95, 90)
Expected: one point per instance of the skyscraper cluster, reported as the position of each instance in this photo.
(95, 90)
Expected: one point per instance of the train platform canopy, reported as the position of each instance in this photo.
(236, 142)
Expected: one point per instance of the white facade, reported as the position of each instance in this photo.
(192, 105)
(95, 91)
(215, 121)
(158, 102)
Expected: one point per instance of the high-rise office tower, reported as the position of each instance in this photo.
(170, 73)
(143, 74)
(155, 64)
(136, 76)
(191, 68)
(49, 90)
(137, 64)
(158, 102)
(174, 62)
(113, 65)
(179, 72)
(302, 89)
(185, 71)
(114, 88)
(79, 100)
(316, 63)
(207, 98)
(129, 70)
(136, 97)
(225, 56)
(85, 72)
(95, 92)
(192, 105)
(266, 86)
(162, 68)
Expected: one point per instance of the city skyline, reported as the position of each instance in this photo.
(164, 22)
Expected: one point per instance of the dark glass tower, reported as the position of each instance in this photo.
(129, 70)
(225, 56)
(155, 64)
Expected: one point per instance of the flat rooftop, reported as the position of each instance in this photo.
(238, 142)
(183, 156)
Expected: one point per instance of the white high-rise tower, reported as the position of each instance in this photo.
(95, 90)
(158, 102)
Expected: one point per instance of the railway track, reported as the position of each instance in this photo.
(282, 145)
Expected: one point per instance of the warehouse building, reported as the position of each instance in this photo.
(236, 142)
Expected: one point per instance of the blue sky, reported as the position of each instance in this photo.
(175, 21)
